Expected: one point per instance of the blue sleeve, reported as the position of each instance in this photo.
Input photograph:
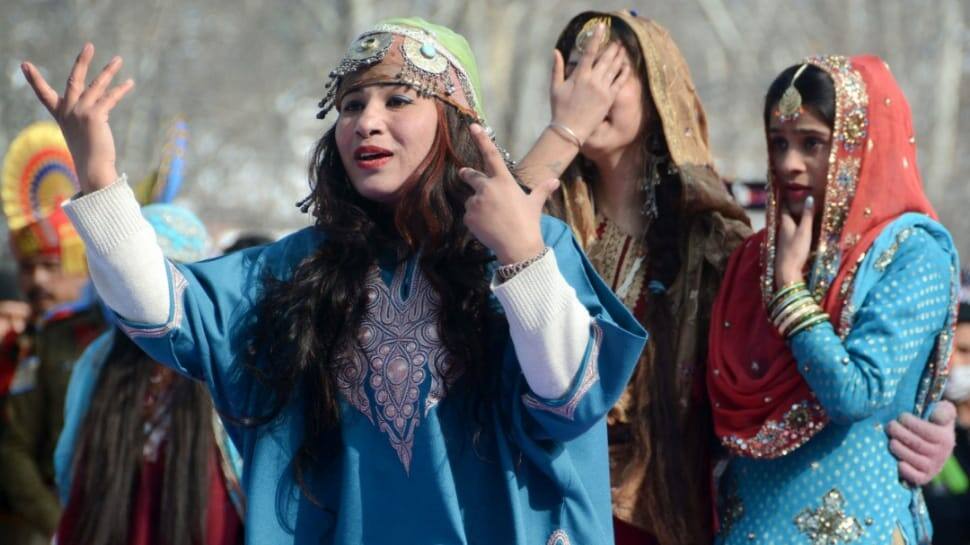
(213, 307)
(894, 328)
(616, 340)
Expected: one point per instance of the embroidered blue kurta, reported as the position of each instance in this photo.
(843, 485)
(413, 467)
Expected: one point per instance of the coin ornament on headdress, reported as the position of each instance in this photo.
(790, 105)
(424, 56)
(368, 50)
(584, 40)
(425, 67)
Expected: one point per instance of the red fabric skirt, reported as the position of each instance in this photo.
(627, 534)
(222, 526)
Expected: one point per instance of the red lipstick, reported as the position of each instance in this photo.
(371, 157)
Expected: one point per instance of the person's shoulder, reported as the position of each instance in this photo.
(301, 242)
(95, 354)
(276, 258)
(911, 239)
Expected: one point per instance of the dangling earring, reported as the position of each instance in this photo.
(655, 161)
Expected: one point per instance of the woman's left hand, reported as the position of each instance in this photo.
(794, 244)
(500, 214)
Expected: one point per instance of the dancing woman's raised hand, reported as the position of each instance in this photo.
(82, 113)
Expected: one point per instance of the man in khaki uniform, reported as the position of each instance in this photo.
(52, 273)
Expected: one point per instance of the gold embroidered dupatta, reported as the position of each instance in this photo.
(713, 225)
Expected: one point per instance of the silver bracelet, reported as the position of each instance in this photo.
(506, 272)
(566, 133)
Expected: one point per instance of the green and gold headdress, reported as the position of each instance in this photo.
(432, 59)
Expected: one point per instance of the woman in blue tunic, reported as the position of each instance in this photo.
(833, 320)
(431, 362)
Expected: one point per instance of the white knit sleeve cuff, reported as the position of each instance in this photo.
(549, 326)
(107, 217)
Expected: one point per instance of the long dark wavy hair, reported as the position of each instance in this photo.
(108, 458)
(306, 322)
(654, 420)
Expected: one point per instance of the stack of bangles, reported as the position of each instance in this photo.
(792, 310)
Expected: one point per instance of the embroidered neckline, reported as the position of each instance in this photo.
(620, 259)
(396, 350)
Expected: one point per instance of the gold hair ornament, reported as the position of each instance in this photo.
(790, 105)
(585, 37)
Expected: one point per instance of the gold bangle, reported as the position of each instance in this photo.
(795, 317)
(784, 290)
(783, 316)
(787, 302)
(566, 133)
(808, 324)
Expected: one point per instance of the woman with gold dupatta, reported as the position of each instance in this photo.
(643, 141)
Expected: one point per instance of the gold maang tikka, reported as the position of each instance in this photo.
(584, 39)
(790, 105)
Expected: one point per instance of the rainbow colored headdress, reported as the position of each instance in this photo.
(38, 175)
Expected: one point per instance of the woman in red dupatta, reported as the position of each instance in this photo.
(802, 380)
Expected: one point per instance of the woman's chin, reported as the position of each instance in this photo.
(795, 208)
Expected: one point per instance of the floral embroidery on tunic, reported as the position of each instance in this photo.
(828, 524)
(621, 261)
(397, 348)
(559, 537)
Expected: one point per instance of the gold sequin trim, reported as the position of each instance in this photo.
(886, 257)
(779, 437)
(829, 524)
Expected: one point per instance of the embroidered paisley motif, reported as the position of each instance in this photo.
(397, 350)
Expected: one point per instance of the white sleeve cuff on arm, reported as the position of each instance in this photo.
(550, 327)
(126, 263)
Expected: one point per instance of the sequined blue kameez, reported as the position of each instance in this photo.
(843, 486)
